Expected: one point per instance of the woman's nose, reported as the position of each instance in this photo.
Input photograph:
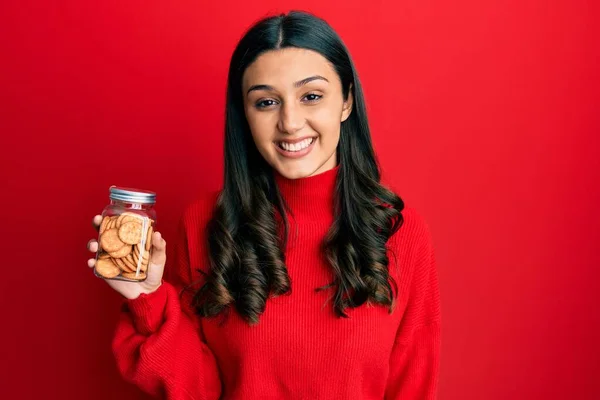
(291, 118)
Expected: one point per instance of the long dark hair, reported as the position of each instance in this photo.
(247, 263)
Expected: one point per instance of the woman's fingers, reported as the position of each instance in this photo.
(96, 221)
(92, 245)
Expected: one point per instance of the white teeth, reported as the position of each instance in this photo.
(296, 146)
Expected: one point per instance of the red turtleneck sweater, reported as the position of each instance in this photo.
(299, 349)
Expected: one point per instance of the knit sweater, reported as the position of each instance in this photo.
(299, 349)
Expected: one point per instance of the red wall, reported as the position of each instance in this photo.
(484, 114)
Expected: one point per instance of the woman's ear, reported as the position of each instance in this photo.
(348, 103)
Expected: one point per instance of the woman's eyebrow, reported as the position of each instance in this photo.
(309, 79)
(296, 84)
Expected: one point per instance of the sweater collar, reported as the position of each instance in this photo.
(311, 197)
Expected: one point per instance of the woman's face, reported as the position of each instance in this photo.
(294, 105)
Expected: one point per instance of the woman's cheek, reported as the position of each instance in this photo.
(259, 128)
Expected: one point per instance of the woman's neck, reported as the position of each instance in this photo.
(311, 197)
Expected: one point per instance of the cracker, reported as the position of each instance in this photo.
(106, 268)
(144, 256)
(130, 262)
(104, 224)
(122, 252)
(145, 260)
(110, 241)
(127, 217)
(132, 275)
(149, 238)
(130, 232)
(143, 267)
(124, 267)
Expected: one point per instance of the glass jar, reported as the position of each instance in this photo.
(125, 235)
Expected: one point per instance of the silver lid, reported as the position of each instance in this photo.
(130, 195)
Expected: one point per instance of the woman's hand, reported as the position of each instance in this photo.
(156, 267)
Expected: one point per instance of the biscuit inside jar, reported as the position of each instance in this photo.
(124, 245)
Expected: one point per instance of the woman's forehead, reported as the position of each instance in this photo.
(284, 67)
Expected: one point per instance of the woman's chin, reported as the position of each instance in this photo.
(293, 173)
(302, 171)
(296, 170)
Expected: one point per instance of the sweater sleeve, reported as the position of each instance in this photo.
(158, 344)
(415, 358)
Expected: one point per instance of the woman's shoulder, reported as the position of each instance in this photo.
(414, 230)
(414, 219)
(414, 234)
(411, 250)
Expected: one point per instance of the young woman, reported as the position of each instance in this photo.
(304, 278)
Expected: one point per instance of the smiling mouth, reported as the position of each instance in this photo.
(296, 147)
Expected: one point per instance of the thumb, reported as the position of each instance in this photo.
(157, 260)
(159, 250)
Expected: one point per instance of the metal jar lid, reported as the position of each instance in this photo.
(130, 195)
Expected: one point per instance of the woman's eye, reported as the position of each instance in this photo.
(265, 103)
(312, 97)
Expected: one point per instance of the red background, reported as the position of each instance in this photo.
(484, 115)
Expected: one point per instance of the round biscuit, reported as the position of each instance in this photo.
(129, 261)
(119, 262)
(122, 252)
(149, 238)
(130, 232)
(104, 224)
(110, 241)
(111, 223)
(131, 218)
(143, 267)
(130, 266)
(106, 269)
(121, 219)
(144, 255)
(132, 275)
